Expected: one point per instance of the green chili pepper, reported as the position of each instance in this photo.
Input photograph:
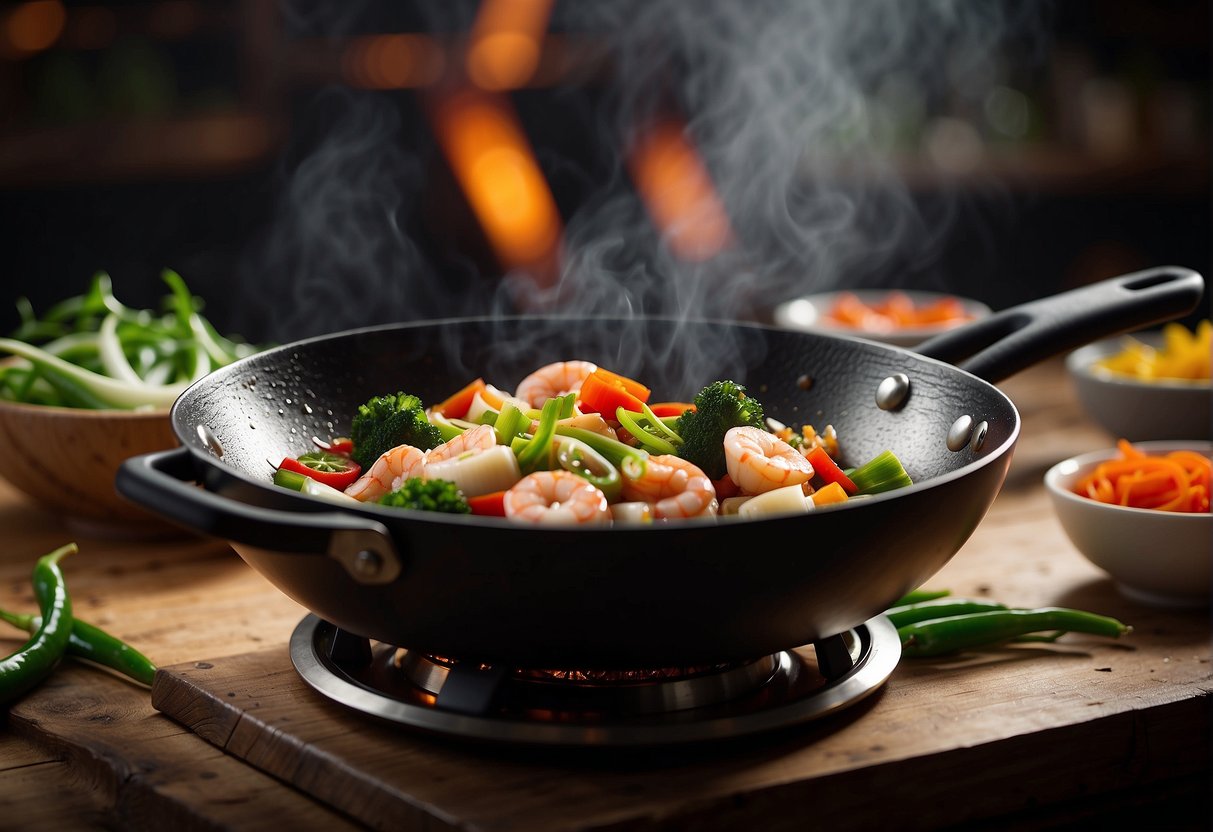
(915, 596)
(943, 607)
(91, 642)
(937, 636)
(579, 458)
(24, 669)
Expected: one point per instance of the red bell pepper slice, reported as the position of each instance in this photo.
(828, 469)
(605, 392)
(331, 469)
(668, 409)
(457, 404)
(342, 445)
(488, 505)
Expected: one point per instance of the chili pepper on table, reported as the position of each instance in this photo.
(28, 666)
(88, 641)
(915, 596)
(942, 607)
(937, 636)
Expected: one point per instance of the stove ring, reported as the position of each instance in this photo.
(874, 645)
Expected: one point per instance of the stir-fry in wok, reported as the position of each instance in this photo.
(579, 444)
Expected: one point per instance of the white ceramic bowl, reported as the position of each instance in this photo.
(811, 314)
(1161, 558)
(1138, 410)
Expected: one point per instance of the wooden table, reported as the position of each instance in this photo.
(1024, 737)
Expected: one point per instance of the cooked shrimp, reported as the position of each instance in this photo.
(388, 473)
(675, 488)
(556, 379)
(479, 438)
(556, 497)
(759, 461)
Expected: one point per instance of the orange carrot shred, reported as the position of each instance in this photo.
(1175, 481)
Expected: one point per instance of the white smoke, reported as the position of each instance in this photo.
(801, 110)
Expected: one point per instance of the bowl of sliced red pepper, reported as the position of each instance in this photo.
(902, 317)
(1140, 512)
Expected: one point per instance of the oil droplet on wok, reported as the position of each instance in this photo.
(307, 408)
(805, 382)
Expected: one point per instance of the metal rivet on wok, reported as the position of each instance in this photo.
(367, 564)
(959, 433)
(892, 392)
(210, 440)
(979, 436)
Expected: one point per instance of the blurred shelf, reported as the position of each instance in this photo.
(1057, 171)
(186, 146)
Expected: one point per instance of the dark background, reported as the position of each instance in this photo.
(152, 135)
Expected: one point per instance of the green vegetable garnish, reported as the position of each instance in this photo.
(884, 472)
(93, 351)
(428, 495)
(387, 421)
(720, 406)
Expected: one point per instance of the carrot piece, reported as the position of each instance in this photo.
(456, 405)
(605, 392)
(1175, 481)
(832, 493)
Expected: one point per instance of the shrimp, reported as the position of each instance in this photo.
(388, 473)
(556, 497)
(676, 488)
(556, 379)
(479, 438)
(759, 461)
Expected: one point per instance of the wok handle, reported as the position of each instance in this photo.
(1018, 337)
(164, 482)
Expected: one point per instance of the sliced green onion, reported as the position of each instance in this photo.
(630, 461)
(579, 458)
(509, 423)
(884, 472)
(534, 451)
(649, 430)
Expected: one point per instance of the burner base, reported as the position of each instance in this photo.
(797, 687)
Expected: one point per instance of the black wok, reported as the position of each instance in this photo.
(484, 588)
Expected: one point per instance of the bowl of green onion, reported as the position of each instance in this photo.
(88, 384)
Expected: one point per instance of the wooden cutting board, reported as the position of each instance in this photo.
(1017, 731)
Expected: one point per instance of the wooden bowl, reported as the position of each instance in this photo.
(65, 459)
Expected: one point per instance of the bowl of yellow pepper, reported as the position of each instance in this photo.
(1153, 384)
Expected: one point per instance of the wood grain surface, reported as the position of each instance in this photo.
(1025, 737)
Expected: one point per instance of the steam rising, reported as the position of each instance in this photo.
(800, 110)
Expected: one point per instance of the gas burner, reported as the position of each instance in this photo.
(579, 707)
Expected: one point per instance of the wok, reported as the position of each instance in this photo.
(668, 594)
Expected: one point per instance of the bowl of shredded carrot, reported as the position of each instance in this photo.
(1140, 512)
(1148, 385)
(902, 317)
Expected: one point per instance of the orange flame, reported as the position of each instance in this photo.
(679, 194)
(492, 159)
(34, 26)
(389, 62)
(506, 41)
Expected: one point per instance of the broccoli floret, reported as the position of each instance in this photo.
(387, 421)
(718, 407)
(428, 495)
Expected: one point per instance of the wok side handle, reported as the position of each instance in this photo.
(164, 482)
(1016, 338)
